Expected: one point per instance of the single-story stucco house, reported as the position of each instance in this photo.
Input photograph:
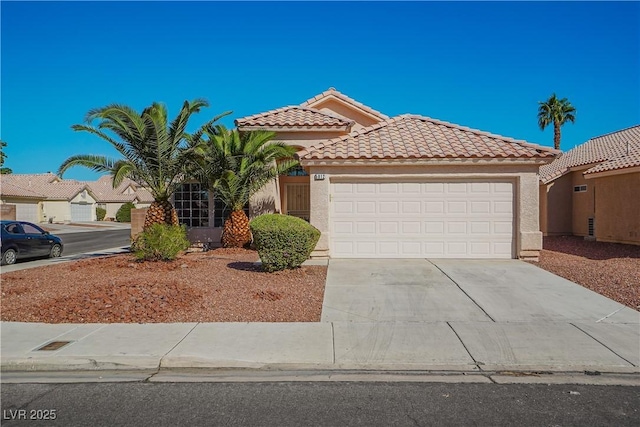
(593, 190)
(111, 199)
(401, 187)
(47, 197)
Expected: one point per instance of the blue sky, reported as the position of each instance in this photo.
(478, 64)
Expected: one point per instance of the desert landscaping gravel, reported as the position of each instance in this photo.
(226, 285)
(223, 285)
(610, 269)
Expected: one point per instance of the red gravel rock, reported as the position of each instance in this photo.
(223, 285)
(611, 269)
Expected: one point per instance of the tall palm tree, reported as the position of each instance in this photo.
(236, 165)
(558, 112)
(155, 153)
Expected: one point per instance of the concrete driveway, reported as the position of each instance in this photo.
(495, 313)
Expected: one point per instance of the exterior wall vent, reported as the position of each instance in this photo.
(591, 227)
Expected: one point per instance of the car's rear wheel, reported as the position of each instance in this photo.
(9, 257)
(56, 251)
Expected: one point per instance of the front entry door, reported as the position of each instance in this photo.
(297, 200)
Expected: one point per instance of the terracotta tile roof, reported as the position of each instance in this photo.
(311, 102)
(417, 137)
(63, 190)
(294, 116)
(624, 162)
(104, 191)
(46, 186)
(599, 149)
(10, 190)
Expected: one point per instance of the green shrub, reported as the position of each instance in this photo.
(101, 213)
(160, 242)
(124, 213)
(283, 241)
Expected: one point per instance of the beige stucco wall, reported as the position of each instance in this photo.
(112, 209)
(556, 200)
(528, 238)
(59, 210)
(617, 208)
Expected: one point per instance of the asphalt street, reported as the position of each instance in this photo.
(318, 404)
(77, 243)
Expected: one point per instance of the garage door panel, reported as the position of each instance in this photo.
(428, 219)
(27, 212)
(81, 212)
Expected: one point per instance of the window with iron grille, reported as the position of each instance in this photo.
(192, 204)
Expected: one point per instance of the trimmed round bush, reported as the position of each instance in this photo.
(160, 242)
(283, 241)
(124, 213)
(101, 213)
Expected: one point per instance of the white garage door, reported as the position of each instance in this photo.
(81, 212)
(27, 212)
(422, 219)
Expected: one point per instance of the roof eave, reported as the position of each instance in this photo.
(343, 128)
(424, 161)
(619, 171)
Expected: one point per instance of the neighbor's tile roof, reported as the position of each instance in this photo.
(624, 162)
(104, 191)
(333, 92)
(417, 137)
(46, 186)
(63, 190)
(599, 149)
(10, 190)
(294, 116)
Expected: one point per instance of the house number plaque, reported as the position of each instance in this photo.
(318, 177)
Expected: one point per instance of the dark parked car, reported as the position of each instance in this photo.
(22, 239)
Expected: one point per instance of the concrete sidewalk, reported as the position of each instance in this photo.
(411, 346)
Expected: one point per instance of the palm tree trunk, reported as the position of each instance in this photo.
(236, 232)
(556, 135)
(160, 213)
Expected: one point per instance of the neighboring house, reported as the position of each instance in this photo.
(402, 187)
(593, 190)
(111, 199)
(46, 197)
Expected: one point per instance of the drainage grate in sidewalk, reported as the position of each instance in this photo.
(53, 345)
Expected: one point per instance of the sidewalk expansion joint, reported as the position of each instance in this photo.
(478, 364)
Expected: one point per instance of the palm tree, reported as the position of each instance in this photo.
(558, 112)
(155, 152)
(235, 165)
